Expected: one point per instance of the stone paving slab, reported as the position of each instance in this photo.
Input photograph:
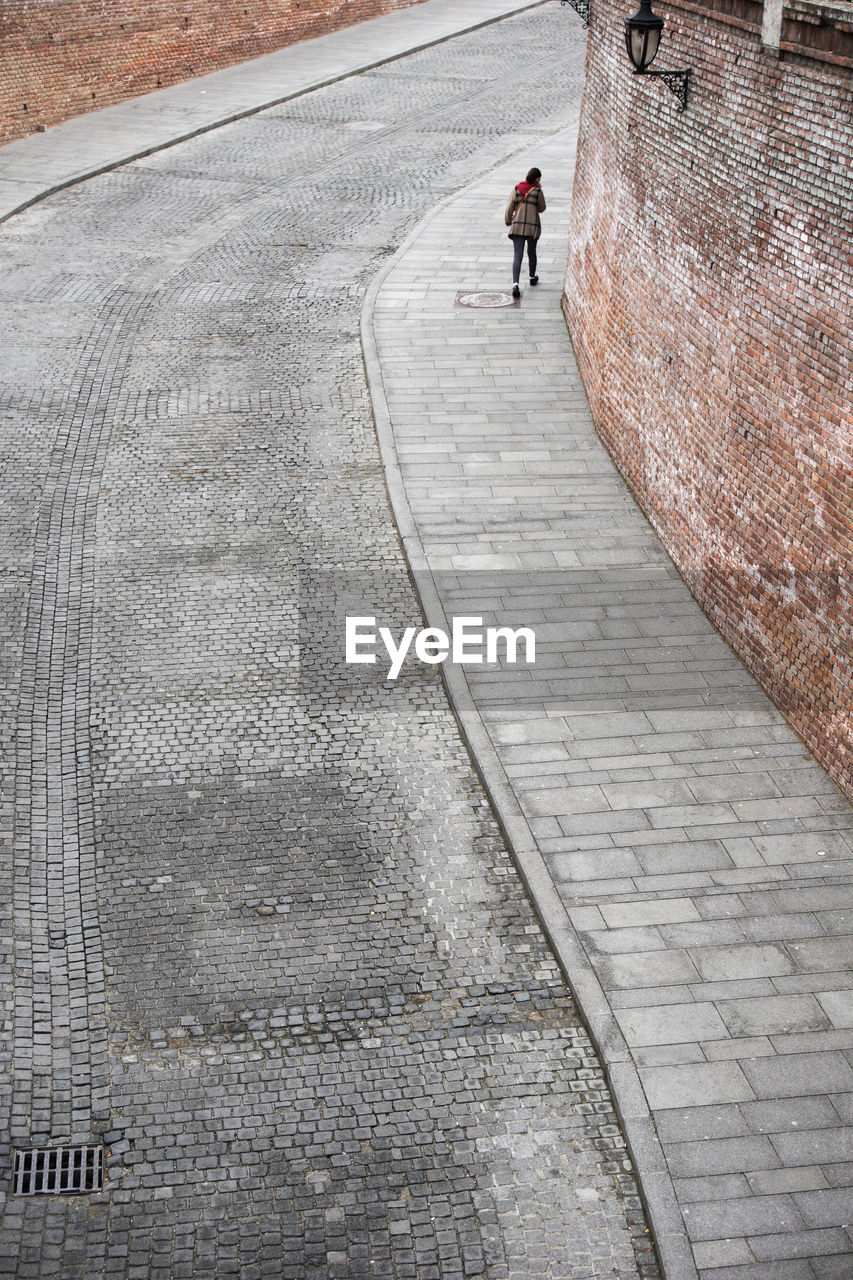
(690, 859)
(33, 167)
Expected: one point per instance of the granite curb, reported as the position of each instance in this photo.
(656, 1188)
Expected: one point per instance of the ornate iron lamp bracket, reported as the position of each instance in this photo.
(676, 81)
(580, 7)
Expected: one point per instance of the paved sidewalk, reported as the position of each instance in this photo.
(35, 166)
(690, 859)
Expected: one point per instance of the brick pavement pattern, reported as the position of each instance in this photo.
(700, 854)
(268, 939)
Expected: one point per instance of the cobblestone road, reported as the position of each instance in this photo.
(268, 941)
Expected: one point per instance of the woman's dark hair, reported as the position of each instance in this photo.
(534, 175)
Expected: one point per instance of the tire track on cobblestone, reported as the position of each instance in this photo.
(59, 1068)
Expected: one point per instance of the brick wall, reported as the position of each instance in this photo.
(64, 57)
(709, 295)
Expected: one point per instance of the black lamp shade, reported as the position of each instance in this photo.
(642, 36)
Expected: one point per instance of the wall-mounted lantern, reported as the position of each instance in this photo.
(642, 37)
(581, 7)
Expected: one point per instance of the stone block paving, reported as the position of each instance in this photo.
(102, 140)
(326, 1035)
(701, 855)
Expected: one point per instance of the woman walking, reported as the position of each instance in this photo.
(522, 217)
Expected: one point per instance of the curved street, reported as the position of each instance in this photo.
(267, 936)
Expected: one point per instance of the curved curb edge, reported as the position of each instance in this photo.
(231, 117)
(654, 1181)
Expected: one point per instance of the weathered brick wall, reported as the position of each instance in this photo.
(61, 58)
(709, 295)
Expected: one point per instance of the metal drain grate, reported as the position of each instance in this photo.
(57, 1171)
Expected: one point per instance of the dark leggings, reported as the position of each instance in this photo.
(518, 243)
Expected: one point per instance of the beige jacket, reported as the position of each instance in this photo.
(527, 222)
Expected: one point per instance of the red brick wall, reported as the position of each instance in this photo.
(710, 300)
(61, 58)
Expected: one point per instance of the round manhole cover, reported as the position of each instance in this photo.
(483, 299)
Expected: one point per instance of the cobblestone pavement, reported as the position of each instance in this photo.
(670, 813)
(267, 937)
(100, 140)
